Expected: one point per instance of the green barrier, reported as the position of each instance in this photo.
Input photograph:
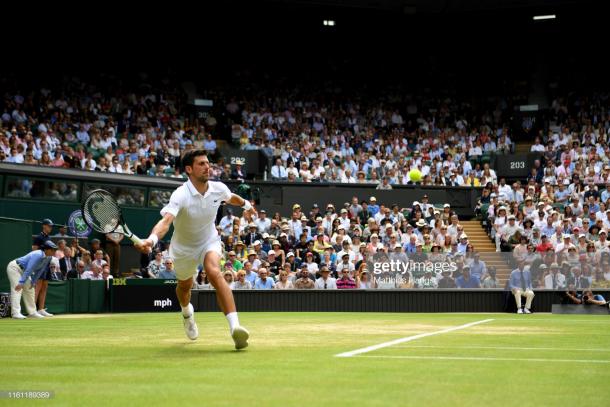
(80, 295)
(58, 297)
(77, 296)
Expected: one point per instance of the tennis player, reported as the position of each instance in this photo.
(192, 209)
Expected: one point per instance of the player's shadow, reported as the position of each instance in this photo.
(190, 350)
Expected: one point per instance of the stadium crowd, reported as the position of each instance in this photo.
(561, 214)
(446, 140)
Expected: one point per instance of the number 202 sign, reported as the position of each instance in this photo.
(238, 160)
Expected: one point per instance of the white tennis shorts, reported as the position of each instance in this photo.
(186, 259)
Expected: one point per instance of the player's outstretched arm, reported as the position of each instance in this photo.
(237, 200)
(158, 232)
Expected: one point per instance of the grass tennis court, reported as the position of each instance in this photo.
(145, 359)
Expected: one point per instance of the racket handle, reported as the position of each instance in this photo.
(135, 239)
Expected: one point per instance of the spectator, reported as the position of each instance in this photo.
(241, 283)
(555, 280)
(304, 282)
(201, 281)
(466, 280)
(345, 280)
(156, 266)
(169, 273)
(427, 281)
(325, 282)
(446, 281)
(490, 281)
(283, 282)
(263, 282)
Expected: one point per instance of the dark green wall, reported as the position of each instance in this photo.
(15, 241)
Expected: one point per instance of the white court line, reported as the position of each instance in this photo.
(571, 321)
(501, 348)
(409, 339)
(484, 359)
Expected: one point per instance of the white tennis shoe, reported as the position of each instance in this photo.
(35, 315)
(190, 326)
(240, 336)
(527, 311)
(44, 313)
(519, 311)
(19, 316)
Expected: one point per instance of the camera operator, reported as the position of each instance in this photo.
(586, 297)
(589, 299)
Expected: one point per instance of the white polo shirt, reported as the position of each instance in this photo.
(195, 215)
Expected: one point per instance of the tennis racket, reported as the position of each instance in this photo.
(103, 214)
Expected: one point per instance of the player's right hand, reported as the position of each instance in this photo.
(18, 287)
(145, 247)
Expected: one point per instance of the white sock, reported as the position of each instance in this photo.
(187, 311)
(233, 320)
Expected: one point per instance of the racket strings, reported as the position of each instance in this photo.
(102, 212)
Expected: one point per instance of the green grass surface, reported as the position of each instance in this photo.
(145, 359)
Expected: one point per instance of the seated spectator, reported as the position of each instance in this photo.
(345, 281)
(427, 280)
(283, 282)
(156, 266)
(466, 280)
(241, 283)
(263, 282)
(304, 282)
(169, 273)
(325, 282)
(229, 278)
(364, 280)
(95, 273)
(201, 281)
(446, 281)
(555, 280)
(490, 281)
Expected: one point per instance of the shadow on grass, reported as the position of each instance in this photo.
(191, 350)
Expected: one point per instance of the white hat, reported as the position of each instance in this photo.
(446, 206)
(463, 236)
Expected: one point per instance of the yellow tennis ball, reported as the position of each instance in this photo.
(415, 175)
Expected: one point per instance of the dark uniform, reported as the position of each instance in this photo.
(37, 244)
